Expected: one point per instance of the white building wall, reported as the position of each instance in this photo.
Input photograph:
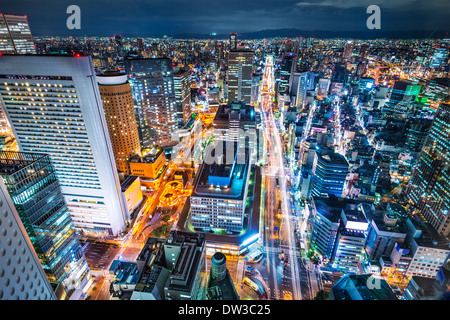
(71, 127)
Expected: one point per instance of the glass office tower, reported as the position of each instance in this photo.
(330, 171)
(32, 183)
(152, 85)
(21, 275)
(15, 34)
(429, 187)
(240, 70)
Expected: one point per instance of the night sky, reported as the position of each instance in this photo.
(172, 17)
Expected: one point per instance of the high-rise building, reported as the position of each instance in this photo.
(140, 44)
(350, 240)
(117, 101)
(256, 79)
(53, 106)
(31, 181)
(428, 189)
(233, 41)
(234, 119)
(182, 95)
(404, 90)
(301, 83)
(386, 229)
(119, 45)
(438, 57)
(326, 217)
(15, 35)
(240, 70)
(348, 49)
(416, 133)
(152, 85)
(285, 73)
(21, 275)
(330, 171)
(362, 287)
(219, 198)
(428, 249)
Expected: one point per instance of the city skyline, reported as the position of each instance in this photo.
(225, 167)
(171, 18)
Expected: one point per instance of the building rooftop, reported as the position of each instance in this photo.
(170, 263)
(127, 182)
(428, 237)
(150, 157)
(12, 162)
(125, 272)
(334, 158)
(332, 207)
(235, 110)
(223, 180)
(356, 287)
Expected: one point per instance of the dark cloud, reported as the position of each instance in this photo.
(159, 17)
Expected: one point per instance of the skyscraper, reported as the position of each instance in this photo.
(233, 41)
(286, 70)
(240, 70)
(429, 186)
(350, 240)
(34, 189)
(120, 117)
(330, 171)
(15, 34)
(53, 106)
(182, 95)
(172, 268)
(152, 84)
(438, 57)
(348, 49)
(141, 45)
(404, 90)
(21, 274)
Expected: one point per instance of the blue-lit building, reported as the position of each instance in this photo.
(34, 188)
(350, 240)
(438, 57)
(219, 199)
(326, 217)
(330, 171)
(361, 287)
(429, 186)
(154, 94)
(386, 229)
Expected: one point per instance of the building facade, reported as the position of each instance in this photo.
(240, 70)
(330, 171)
(53, 106)
(15, 35)
(429, 186)
(153, 88)
(22, 276)
(32, 183)
(117, 101)
(182, 96)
